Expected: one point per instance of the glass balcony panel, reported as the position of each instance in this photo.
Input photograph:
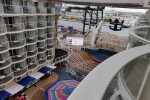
(50, 46)
(29, 9)
(42, 49)
(14, 9)
(4, 46)
(4, 78)
(2, 28)
(42, 37)
(135, 71)
(16, 43)
(19, 57)
(41, 10)
(41, 24)
(14, 27)
(32, 52)
(32, 66)
(20, 70)
(50, 35)
(30, 40)
(5, 62)
(30, 25)
(41, 60)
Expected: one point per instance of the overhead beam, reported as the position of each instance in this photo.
(120, 5)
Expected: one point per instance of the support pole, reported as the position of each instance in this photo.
(91, 17)
(102, 14)
(97, 16)
(84, 22)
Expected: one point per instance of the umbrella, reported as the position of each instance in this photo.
(62, 89)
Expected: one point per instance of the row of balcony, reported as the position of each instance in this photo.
(15, 9)
(26, 41)
(23, 26)
(21, 69)
(4, 62)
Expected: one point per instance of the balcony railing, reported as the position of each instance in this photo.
(59, 59)
(41, 24)
(29, 10)
(41, 60)
(32, 65)
(2, 29)
(41, 10)
(50, 24)
(50, 35)
(32, 52)
(50, 10)
(14, 27)
(4, 46)
(30, 40)
(5, 62)
(4, 78)
(19, 57)
(49, 57)
(16, 43)
(50, 46)
(20, 70)
(42, 37)
(30, 25)
(12, 9)
(42, 49)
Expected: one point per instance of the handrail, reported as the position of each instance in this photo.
(94, 85)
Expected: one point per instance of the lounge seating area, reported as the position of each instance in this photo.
(81, 62)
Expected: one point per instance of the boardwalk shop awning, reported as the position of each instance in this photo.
(44, 69)
(25, 81)
(4, 95)
(14, 89)
(37, 75)
(52, 67)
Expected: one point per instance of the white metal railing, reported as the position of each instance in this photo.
(2, 28)
(14, 27)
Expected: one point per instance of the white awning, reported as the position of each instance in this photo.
(14, 89)
(37, 75)
(53, 67)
